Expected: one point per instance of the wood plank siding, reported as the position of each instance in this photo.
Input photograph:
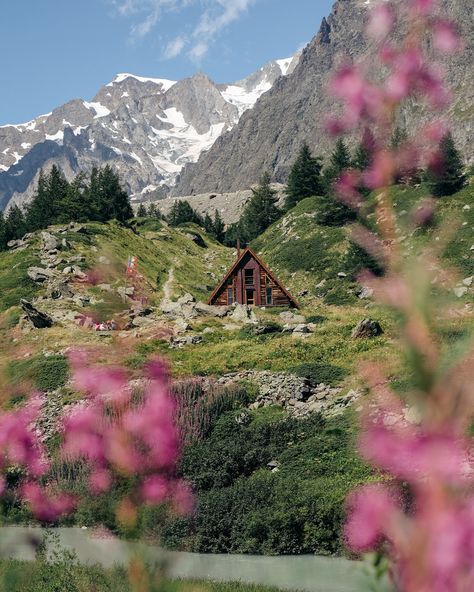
(249, 281)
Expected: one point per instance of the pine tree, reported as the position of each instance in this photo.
(450, 177)
(362, 161)
(260, 212)
(399, 137)
(182, 213)
(141, 212)
(339, 162)
(208, 224)
(15, 224)
(114, 202)
(3, 232)
(41, 209)
(304, 179)
(75, 206)
(330, 210)
(154, 212)
(218, 227)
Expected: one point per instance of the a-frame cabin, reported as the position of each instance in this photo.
(249, 281)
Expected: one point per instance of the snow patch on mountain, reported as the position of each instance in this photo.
(166, 84)
(100, 110)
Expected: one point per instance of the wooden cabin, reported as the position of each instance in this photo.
(249, 281)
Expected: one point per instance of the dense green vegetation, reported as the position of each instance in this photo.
(304, 179)
(244, 507)
(56, 201)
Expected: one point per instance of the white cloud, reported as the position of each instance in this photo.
(212, 19)
(175, 47)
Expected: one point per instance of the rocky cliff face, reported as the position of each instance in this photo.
(147, 128)
(294, 110)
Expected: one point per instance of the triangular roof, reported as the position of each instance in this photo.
(236, 265)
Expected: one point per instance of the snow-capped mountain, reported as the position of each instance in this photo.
(149, 128)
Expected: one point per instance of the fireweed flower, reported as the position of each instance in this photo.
(115, 431)
(119, 432)
(422, 512)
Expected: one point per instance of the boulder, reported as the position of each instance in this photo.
(208, 310)
(125, 291)
(186, 299)
(301, 328)
(49, 241)
(196, 239)
(39, 274)
(39, 320)
(59, 289)
(16, 245)
(460, 291)
(367, 328)
(366, 293)
(105, 287)
(243, 314)
(290, 318)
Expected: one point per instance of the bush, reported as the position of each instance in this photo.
(318, 373)
(242, 507)
(46, 373)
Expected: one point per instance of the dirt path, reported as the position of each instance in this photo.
(168, 285)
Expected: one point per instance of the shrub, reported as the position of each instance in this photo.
(46, 373)
(318, 373)
(242, 507)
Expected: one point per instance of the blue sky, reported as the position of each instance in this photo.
(56, 50)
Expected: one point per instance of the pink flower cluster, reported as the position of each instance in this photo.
(119, 432)
(114, 430)
(421, 512)
(428, 524)
(22, 449)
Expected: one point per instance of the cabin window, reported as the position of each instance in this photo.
(269, 296)
(248, 277)
(250, 297)
(230, 295)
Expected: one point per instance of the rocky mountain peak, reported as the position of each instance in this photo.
(147, 128)
(296, 107)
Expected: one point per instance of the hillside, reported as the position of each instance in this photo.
(273, 391)
(296, 108)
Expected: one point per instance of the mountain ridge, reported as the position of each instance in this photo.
(147, 127)
(295, 109)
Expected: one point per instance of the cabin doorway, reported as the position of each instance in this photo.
(250, 297)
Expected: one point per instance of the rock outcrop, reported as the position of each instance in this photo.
(296, 108)
(39, 320)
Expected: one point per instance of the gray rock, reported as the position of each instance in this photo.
(39, 274)
(460, 291)
(59, 288)
(243, 314)
(301, 328)
(367, 328)
(39, 320)
(366, 293)
(210, 310)
(49, 241)
(17, 245)
(289, 317)
(125, 291)
(105, 287)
